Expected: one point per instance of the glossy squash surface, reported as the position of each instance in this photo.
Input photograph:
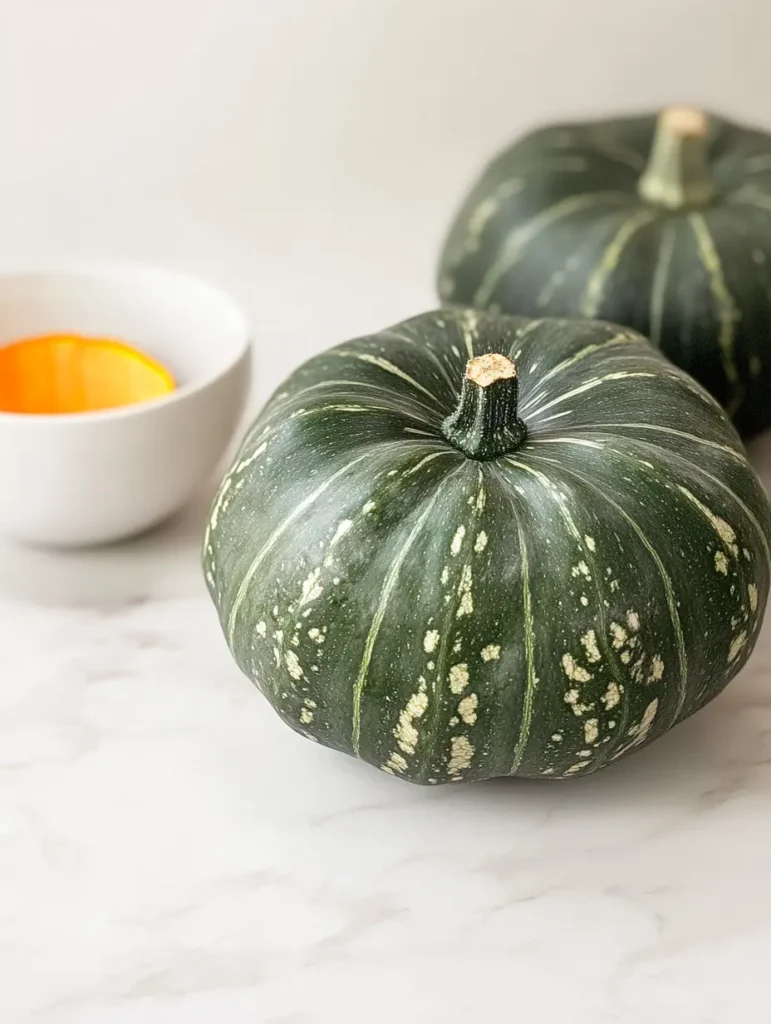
(473, 546)
(662, 223)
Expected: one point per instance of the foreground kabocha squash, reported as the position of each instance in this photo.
(474, 546)
(661, 224)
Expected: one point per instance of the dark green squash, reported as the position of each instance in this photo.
(660, 224)
(474, 546)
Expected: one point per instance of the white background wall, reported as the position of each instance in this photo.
(307, 154)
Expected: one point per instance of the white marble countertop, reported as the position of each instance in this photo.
(170, 853)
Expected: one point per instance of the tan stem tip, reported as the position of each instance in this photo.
(685, 122)
(486, 370)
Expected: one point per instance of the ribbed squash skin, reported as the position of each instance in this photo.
(541, 614)
(555, 227)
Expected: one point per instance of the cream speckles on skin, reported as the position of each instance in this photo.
(574, 768)
(491, 653)
(430, 641)
(639, 733)
(366, 509)
(584, 600)
(573, 670)
(736, 646)
(343, 527)
(619, 635)
(311, 588)
(633, 621)
(481, 500)
(556, 737)
(612, 696)
(656, 670)
(467, 709)
(457, 540)
(461, 754)
(589, 643)
(316, 635)
(406, 732)
(459, 678)
(261, 628)
(293, 665)
(579, 709)
(395, 763)
(752, 592)
(466, 606)
(445, 575)
(589, 541)
(481, 542)
(591, 730)
(721, 562)
(582, 569)
(306, 716)
(642, 730)
(723, 529)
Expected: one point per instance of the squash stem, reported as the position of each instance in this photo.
(485, 425)
(678, 176)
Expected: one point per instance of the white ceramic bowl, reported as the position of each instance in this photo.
(91, 478)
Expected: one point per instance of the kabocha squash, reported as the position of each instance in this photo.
(475, 546)
(662, 224)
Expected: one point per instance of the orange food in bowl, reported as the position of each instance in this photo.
(64, 373)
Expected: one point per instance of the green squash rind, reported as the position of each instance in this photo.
(555, 226)
(541, 614)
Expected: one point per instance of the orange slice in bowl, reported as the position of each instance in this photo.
(66, 373)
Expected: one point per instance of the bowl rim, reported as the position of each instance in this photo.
(117, 269)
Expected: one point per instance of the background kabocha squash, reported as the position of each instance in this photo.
(662, 224)
(476, 546)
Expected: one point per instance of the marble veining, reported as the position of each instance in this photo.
(170, 852)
